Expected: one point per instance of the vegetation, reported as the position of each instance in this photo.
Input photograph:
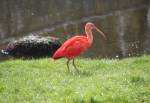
(99, 81)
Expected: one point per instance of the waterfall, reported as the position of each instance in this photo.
(147, 41)
(121, 32)
(1, 32)
(148, 17)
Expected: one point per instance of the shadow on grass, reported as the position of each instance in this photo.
(86, 73)
(90, 71)
(80, 73)
(91, 100)
(109, 100)
(137, 79)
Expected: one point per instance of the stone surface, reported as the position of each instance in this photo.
(32, 46)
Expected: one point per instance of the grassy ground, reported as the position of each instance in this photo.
(99, 81)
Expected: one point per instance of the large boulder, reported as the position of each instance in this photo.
(32, 46)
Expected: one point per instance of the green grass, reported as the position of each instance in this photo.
(99, 81)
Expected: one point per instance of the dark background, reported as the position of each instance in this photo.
(125, 22)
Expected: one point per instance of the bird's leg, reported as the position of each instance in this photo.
(75, 66)
(68, 65)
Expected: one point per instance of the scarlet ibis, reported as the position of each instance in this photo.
(76, 45)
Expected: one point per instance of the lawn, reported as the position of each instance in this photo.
(99, 81)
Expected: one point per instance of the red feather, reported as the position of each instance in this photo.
(77, 45)
(72, 47)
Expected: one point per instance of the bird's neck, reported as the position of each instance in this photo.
(89, 35)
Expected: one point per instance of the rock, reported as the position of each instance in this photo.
(32, 46)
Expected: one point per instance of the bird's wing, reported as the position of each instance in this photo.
(75, 47)
(72, 47)
(74, 41)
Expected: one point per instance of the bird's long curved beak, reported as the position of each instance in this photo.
(101, 32)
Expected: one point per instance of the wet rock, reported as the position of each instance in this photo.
(32, 46)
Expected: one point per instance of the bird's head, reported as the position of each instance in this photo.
(90, 26)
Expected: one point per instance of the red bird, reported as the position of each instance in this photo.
(77, 45)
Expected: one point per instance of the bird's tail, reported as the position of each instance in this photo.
(57, 55)
(55, 58)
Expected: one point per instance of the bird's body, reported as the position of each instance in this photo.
(76, 45)
(72, 47)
